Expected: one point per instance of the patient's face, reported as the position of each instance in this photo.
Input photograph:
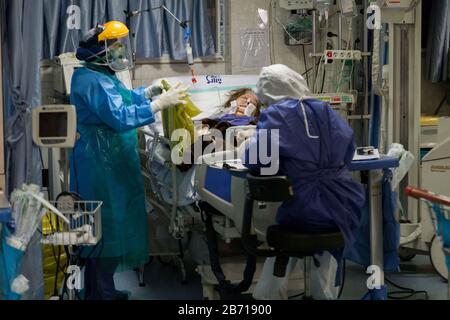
(243, 101)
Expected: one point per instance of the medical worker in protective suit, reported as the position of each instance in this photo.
(316, 146)
(105, 162)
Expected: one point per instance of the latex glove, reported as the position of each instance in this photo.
(153, 91)
(171, 98)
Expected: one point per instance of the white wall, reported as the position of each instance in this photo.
(243, 14)
(144, 74)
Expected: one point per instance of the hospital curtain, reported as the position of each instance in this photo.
(194, 11)
(22, 38)
(436, 60)
(153, 33)
(148, 28)
(63, 34)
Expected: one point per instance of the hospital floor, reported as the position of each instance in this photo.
(163, 282)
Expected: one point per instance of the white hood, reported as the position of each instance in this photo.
(278, 82)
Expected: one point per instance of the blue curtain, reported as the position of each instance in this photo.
(38, 29)
(155, 32)
(58, 38)
(23, 44)
(436, 60)
(147, 28)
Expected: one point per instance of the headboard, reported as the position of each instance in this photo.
(210, 92)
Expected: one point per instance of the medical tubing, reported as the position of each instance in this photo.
(225, 287)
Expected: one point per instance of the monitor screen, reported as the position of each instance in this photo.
(53, 125)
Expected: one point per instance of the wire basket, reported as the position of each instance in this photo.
(81, 225)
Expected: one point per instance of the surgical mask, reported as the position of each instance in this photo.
(233, 107)
(251, 108)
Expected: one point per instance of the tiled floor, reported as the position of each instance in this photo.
(163, 282)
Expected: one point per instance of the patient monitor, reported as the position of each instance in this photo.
(54, 126)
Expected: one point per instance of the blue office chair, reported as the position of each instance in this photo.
(284, 241)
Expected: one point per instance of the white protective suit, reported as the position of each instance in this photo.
(276, 83)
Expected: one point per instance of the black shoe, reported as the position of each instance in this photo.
(122, 295)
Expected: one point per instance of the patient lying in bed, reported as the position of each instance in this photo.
(241, 109)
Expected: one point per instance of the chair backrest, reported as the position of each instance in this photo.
(270, 189)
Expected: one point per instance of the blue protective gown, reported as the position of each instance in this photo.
(326, 198)
(105, 164)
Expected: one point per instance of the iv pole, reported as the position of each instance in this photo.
(183, 25)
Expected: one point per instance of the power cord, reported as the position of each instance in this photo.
(344, 266)
(406, 293)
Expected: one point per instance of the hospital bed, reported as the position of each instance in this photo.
(170, 194)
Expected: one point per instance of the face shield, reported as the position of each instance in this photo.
(118, 54)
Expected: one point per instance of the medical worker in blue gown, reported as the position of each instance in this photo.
(105, 163)
(316, 146)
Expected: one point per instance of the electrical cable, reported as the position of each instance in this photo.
(306, 64)
(341, 290)
(441, 104)
(318, 73)
(271, 37)
(406, 292)
(323, 79)
(344, 273)
(296, 296)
